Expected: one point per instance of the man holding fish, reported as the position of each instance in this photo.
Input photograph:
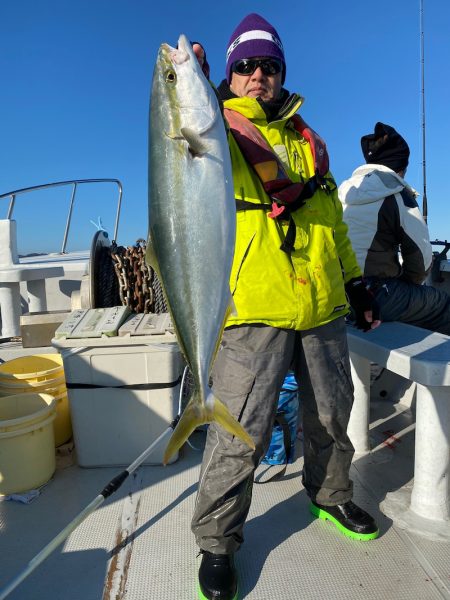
(291, 278)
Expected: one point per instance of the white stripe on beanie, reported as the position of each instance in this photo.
(256, 34)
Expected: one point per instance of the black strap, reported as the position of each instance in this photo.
(133, 386)
(245, 205)
(307, 192)
(281, 421)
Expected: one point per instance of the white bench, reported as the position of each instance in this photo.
(421, 356)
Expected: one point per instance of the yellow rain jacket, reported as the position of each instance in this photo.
(304, 289)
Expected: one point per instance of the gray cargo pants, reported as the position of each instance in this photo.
(247, 376)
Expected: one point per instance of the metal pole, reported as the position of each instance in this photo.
(109, 489)
(422, 60)
(69, 218)
(11, 206)
(116, 225)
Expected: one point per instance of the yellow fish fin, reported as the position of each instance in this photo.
(150, 257)
(232, 310)
(195, 414)
(228, 422)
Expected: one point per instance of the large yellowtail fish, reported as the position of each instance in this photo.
(192, 224)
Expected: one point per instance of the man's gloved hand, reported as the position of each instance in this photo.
(361, 301)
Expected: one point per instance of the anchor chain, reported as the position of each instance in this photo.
(139, 287)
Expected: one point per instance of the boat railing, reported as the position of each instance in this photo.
(74, 183)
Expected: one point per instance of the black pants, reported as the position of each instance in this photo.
(420, 305)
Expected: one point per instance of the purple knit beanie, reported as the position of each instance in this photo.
(254, 36)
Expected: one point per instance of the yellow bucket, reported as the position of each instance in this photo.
(40, 374)
(62, 424)
(27, 444)
(36, 387)
(33, 368)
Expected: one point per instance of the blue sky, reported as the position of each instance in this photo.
(75, 80)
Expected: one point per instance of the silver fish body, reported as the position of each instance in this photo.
(192, 222)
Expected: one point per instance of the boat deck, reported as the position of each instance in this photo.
(138, 544)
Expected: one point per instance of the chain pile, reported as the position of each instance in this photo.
(139, 287)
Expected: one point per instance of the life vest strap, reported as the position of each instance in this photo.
(308, 191)
(286, 195)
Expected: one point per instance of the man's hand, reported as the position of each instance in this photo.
(361, 301)
(200, 53)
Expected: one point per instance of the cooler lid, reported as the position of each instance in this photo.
(93, 323)
(146, 324)
(117, 321)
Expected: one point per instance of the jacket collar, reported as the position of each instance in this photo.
(256, 109)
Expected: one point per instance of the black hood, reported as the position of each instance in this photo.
(385, 146)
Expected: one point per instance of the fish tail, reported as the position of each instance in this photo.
(197, 413)
(194, 415)
(227, 421)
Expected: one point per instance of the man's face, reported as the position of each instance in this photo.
(259, 83)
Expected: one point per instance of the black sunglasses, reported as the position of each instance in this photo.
(247, 66)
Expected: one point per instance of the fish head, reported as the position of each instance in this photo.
(182, 97)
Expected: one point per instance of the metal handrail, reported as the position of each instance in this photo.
(73, 182)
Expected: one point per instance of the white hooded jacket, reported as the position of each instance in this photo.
(383, 220)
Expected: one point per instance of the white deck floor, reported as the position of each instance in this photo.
(138, 544)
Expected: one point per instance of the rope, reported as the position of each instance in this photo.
(106, 283)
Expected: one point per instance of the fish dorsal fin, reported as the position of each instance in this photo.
(197, 146)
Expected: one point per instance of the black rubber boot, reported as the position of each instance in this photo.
(348, 518)
(217, 577)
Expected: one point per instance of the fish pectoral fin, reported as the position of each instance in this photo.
(227, 421)
(197, 146)
(150, 256)
(193, 416)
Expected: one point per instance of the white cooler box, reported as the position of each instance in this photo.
(123, 393)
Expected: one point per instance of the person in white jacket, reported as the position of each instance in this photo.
(389, 235)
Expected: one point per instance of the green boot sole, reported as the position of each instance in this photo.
(323, 514)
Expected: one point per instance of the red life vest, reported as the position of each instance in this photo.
(286, 195)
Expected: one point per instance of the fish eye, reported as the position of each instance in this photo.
(170, 76)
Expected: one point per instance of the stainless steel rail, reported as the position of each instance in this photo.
(74, 182)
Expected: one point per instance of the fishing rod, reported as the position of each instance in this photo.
(422, 69)
(107, 491)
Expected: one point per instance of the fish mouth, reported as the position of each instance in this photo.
(166, 49)
(178, 55)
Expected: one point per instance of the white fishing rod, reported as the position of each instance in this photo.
(107, 491)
